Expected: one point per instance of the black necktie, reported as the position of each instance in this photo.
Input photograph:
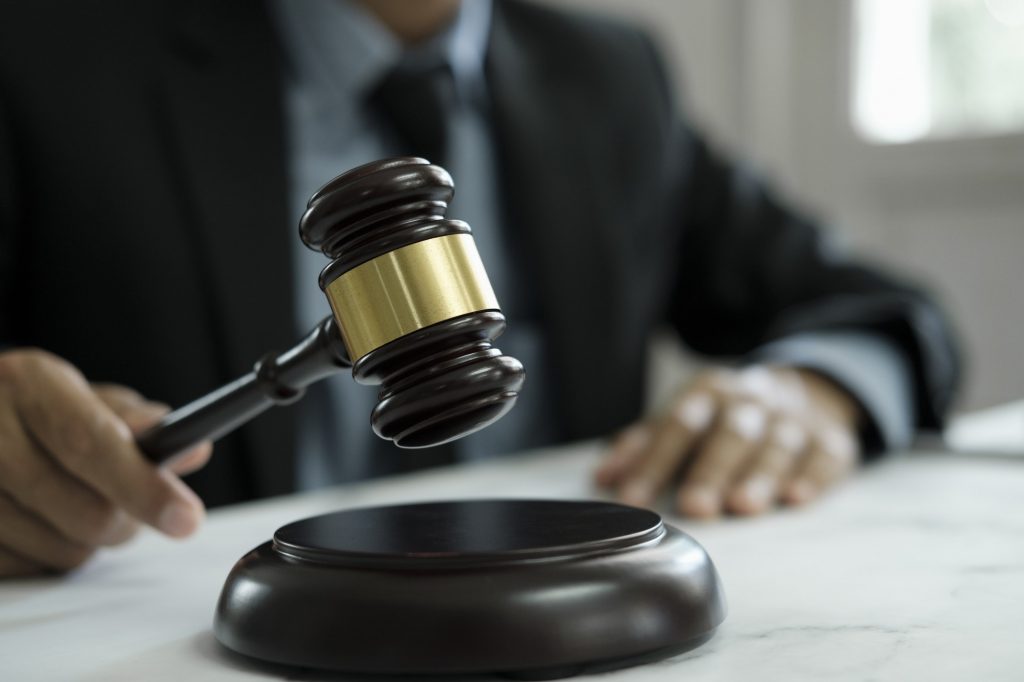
(416, 105)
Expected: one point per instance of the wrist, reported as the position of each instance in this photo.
(827, 395)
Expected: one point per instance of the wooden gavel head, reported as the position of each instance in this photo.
(412, 300)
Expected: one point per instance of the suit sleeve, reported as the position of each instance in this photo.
(870, 367)
(8, 221)
(751, 271)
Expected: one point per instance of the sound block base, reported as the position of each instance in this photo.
(544, 674)
(530, 589)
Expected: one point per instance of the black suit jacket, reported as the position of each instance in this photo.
(143, 205)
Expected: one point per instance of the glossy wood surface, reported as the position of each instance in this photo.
(538, 589)
(438, 383)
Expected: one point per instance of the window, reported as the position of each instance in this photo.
(937, 69)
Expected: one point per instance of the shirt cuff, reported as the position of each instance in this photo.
(869, 367)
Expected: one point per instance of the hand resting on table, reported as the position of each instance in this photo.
(739, 441)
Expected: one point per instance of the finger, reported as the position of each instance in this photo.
(120, 529)
(758, 487)
(118, 397)
(14, 566)
(625, 453)
(736, 435)
(24, 533)
(193, 459)
(89, 441)
(130, 406)
(140, 414)
(36, 482)
(671, 443)
(832, 457)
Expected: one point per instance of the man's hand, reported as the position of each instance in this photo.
(71, 478)
(740, 442)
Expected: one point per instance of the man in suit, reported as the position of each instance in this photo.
(154, 155)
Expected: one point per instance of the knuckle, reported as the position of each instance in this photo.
(747, 419)
(30, 360)
(789, 435)
(18, 365)
(29, 363)
(758, 381)
(695, 410)
(845, 459)
(838, 444)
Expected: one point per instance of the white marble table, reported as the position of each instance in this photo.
(914, 570)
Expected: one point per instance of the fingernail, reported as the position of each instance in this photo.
(178, 519)
(696, 411)
(748, 421)
(800, 491)
(636, 493)
(758, 490)
(142, 416)
(700, 501)
(151, 409)
(148, 412)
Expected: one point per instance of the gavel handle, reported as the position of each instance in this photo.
(275, 380)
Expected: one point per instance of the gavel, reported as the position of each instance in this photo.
(413, 312)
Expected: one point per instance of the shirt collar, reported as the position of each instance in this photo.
(338, 45)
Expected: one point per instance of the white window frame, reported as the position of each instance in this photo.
(809, 117)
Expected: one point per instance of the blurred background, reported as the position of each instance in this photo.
(901, 123)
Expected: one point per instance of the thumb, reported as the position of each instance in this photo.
(134, 410)
(139, 414)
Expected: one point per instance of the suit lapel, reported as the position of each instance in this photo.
(224, 105)
(547, 183)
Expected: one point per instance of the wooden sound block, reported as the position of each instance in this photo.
(529, 588)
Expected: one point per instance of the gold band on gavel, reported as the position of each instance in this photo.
(408, 289)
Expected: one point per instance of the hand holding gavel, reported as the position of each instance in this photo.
(71, 476)
(413, 313)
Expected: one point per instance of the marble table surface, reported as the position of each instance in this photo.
(914, 570)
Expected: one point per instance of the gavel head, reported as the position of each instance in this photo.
(412, 300)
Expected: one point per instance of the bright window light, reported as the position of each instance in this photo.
(938, 69)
